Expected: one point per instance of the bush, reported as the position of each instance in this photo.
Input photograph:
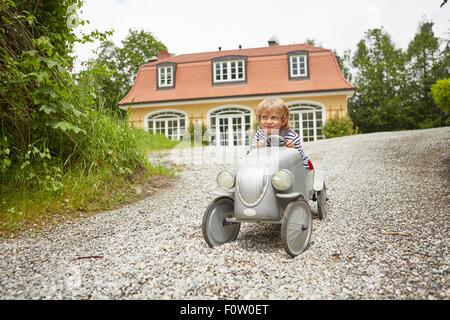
(59, 148)
(195, 129)
(338, 127)
(100, 172)
(441, 94)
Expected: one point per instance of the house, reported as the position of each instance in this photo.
(222, 89)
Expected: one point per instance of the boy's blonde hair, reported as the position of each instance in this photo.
(273, 104)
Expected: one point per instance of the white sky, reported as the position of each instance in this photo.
(204, 25)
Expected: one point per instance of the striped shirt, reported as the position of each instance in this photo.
(286, 133)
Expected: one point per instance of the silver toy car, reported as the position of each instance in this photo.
(271, 186)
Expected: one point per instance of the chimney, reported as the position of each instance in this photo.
(163, 54)
(152, 59)
(273, 41)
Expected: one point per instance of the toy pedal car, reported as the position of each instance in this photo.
(270, 186)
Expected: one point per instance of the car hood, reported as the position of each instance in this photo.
(271, 159)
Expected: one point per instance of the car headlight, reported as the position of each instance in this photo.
(225, 180)
(282, 180)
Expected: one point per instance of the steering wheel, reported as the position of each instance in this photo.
(276, 140)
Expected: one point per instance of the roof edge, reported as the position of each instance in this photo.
(239, 96)
(311, 50)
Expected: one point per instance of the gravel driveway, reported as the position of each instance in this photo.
(386, 236)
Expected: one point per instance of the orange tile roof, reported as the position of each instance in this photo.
(267, 73)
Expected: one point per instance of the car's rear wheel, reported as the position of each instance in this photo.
(296, 227)
(216, 230)
(322, 205)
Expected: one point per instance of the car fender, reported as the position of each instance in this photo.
(318, 180)
(223, 194)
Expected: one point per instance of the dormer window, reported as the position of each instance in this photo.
(298, 65)
(166, 75)
(228, 69)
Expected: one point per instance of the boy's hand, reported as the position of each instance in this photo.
(261, 143)
(289, 144)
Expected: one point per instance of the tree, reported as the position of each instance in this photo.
(378, 104)
(313, 42)
(344, 62)
(137, 47)
(102, 77)
(115, 67)
(425, 66)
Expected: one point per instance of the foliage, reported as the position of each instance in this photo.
(110, 75)
(197, 133)
(338, 127)
(394, 86)
(312, 42)
(40, 116)
(441, 94)
(380, 80)
(23, 21)
(47, 120)
(344, 62)
(425, 65)
(52, 127)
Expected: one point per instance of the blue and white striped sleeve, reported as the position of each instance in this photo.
(292, 135)
(258, 136)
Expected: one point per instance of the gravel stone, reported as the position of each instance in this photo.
(386, 235)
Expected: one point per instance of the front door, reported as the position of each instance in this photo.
(230, 130)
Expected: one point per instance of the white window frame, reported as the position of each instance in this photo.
(226, 67)
(163, 73)
(297, 60)
(167, 115)
(305, 106)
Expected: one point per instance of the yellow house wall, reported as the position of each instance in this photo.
(335, 105)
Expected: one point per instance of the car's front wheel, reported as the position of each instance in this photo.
(296, 227)
(216, 230)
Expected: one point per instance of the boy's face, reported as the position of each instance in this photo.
(272, 121)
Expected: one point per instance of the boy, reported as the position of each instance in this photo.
(273, 117)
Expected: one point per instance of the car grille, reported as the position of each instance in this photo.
(251, 185)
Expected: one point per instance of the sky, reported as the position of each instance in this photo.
(204, 25)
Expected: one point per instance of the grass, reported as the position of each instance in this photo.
(82, 194)
(153, 142)
(84, 191)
